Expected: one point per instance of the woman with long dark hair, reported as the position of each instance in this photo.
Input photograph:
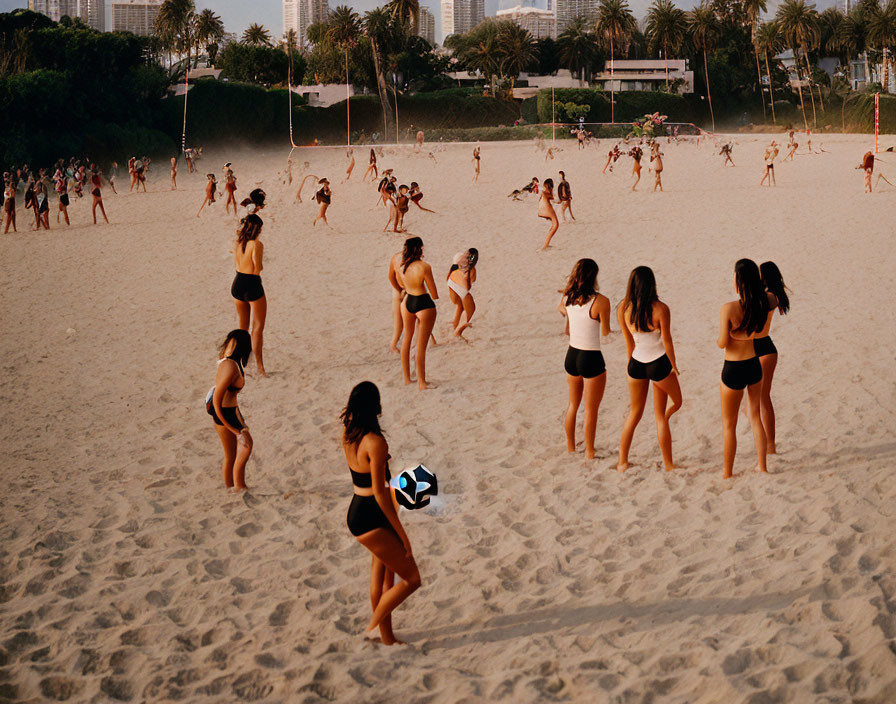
(645, 322)
(417, 306)
(372, 516)
(765, 348)
(247, 291)
(221, 405)
(741, 322)
(588, 315)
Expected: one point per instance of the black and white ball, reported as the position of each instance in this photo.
(414, 486)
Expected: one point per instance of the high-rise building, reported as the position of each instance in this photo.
(137, 16)
(541, 24)
(426, 25)
(567, 10)
(299, 14)
(459, 16)
(90, 12)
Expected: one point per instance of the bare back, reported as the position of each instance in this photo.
(248, 261)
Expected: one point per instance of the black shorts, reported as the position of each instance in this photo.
(247, 287)
(584, 363)
(64, 199)
(45, 206)
(657, 370)
(415, 304)
(741, 374)
(365, 515)
(231, 414)
(764, 346)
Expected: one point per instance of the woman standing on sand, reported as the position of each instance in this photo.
(372, 517)
(546, 210)
(9, 206)
(765, 348)
(95, 183)
(350, 155)
(657, 156)
(398, 294)
(588, 316)
(564, 197)
(417, 307)
(771, 151)
(645, 322)
(460, 280)
(636, 153)
(371, 167)
(867, 166)
(323, 196)
(229, 189)
(476, 160)
(742, 321)
(221, 405)
(62, 190)
(246, 290)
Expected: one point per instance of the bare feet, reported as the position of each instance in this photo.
(423, 385)
(262, 371)
(621, 467)
(393, 348)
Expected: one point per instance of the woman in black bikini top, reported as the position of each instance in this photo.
(372, 516)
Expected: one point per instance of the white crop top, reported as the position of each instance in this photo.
(584, 331)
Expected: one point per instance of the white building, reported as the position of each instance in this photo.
(299, 14)
(136, 16)
(567, 10)
(460, 16)
(645, 74)
(323, 95)
(541, 23)
(91, 12)
(426, 25)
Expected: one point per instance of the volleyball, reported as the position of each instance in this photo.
(414, 486)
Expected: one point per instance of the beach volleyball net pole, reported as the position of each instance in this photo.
(183, 134)
(877, 123)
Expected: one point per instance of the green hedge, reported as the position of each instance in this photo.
(630, 105)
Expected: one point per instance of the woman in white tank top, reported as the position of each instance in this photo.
(588, 313)
(644, 320)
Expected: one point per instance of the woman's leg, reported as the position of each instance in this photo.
(102, 210)
(769, 362)
(381, 581)
(242, 314)
(259, 310)
(397, 323)
(730, 405)
(469, 308)
(594, 393)
(754, 396)
(94, 210)
(243, 452)
(554, 225)
(228, 441)
(427, 320)
(637, 392)
(576, 388)
(458, 308)
(388, 548)
(667, 389)
(410, 322)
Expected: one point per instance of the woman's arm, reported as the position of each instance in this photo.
(378, 454)
(724, 328)
(393, 277)
(430, 281)
(626, 333)
(562, 306)
(666, 333)
(226, 374)
(601, 306)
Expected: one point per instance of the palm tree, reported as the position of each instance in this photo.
(516, 49)
(752, 9)
(666, 28)
(209, 29)
(377, 28)
(882, 33)
(799, 28)
(344, 30)
(578, 47)
(830, 26)
(615, 24)
(768, 40)
(852, 36)
(704, 31)
(175, 27)
(257, 35)
(405, 11)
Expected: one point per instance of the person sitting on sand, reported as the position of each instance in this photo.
(372, 517)
(210, 188)
(656, 158)
(636, 153)
(645, 323)
(742, 321)
(868, 166)
(246, 290)
(417, 307)
(221, 405)
(588, 317)
(546, 210)
(726, 152)
(771, 151)
(765, 348)
(460, 281)
(564, 197)
(323, 197)
(416, 195)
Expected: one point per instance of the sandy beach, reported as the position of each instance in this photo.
(129, 574)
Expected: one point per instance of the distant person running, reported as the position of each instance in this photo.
(371, 167)
(246, 290)
(461, 277)
(793, 146)
(546, 210)
(588, 317)
(323, 197)
(727, 149)
(221, 405)
(95, 190)
(418, 308)
(416, 195)
(771, 152)
(868, 166)
(350, 155)
(636, 153)
(564, 197)
(229, 189)
(612, 156)
(210, 189)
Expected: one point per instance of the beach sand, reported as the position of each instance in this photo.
(128, 573)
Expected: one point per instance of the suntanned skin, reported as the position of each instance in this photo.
(237, 444)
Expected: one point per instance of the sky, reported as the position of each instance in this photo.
(239, 14)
